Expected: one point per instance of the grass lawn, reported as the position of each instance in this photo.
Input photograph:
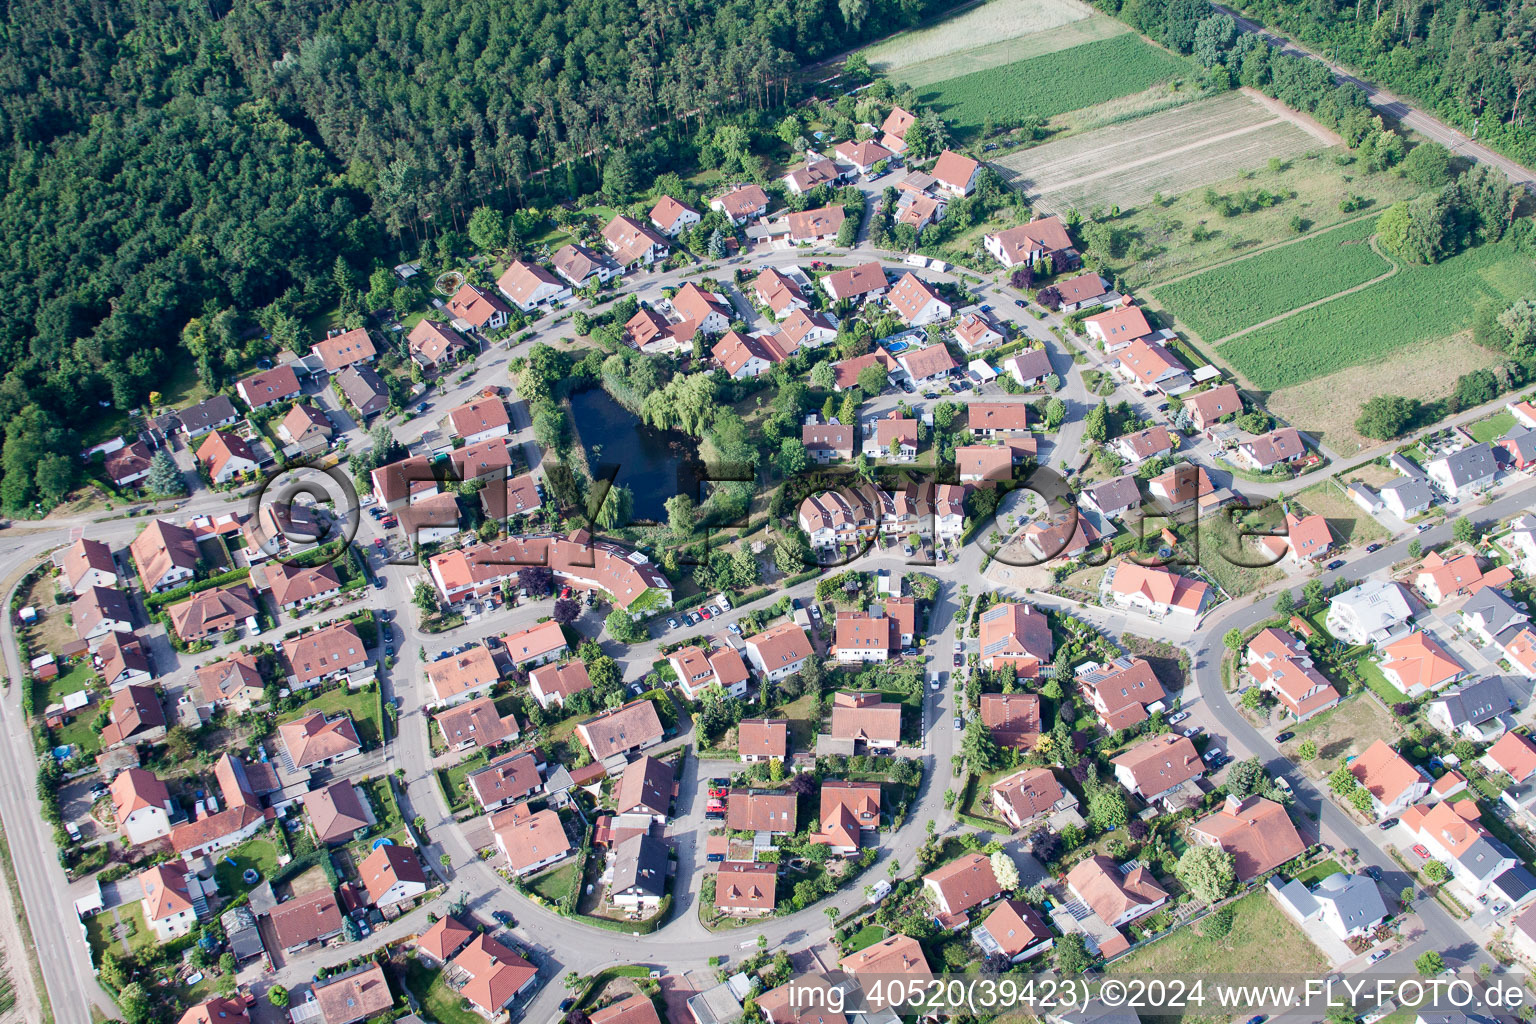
(452, 779)
(1370, 672)
(383, 800)
(866, 936)
(802, 731)
(1349, 523)
(1260, 934)
(434, 995)
(555, 885)
(1223, 551)
(362, 705)
(1493, 427)
(1318, 872)
(125, 934)
(257, 852)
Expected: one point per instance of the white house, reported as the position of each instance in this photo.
(1407, 496)
(1375, 612)
(1465, 472)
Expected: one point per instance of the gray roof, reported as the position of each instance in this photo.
(1469, 464)
(1484, 857)
(1516, 884)
(1096, 1013)
(1404, 466)
(204, 415)
(1496, 610)
(1118, 492)
(1411, 491)
(715, 1005)
(1475, 703)
(640, 862)
(1355, 897)
(1523, 440)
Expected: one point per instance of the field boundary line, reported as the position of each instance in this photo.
(1261, 250)
(1319, 302)
(1165, 154)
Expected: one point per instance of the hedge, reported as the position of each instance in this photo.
(155, 601)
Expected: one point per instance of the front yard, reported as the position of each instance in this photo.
(442, 1003)
(361, 704)
(1260, 934)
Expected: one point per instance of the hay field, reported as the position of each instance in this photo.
(998, 52)
(1171, 152)
(989, 23)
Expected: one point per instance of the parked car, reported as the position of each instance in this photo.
(1337, 563)
(714, 815)
(1421, 850)
(1284, 736)
(1387, 824)
(959, 660)
(959, 723)
(1177, 717)
(1193, 731)
(934, 684)
(1372, 547)
(1422, 527)
(1380, 955)
(1211, 755)
(959, 646)
(671, 623)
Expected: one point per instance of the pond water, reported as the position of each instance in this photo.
(654, 464)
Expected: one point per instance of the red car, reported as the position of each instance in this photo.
(1421, 850)
(378, 542)
(706, 614)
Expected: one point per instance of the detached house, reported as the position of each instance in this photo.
(672, 218)
(166, 555)
(633, 243)
(1207, 407)
(268, 387)
(1116, 899)
(1123, 692)
(862, 155)
(88, 563)
(1043, 238)
(1015, 636)
(1465, 472)
(709, 312)
(529, 286)
(892, 431)
(960, 886)
(1155, 592)
(1307, 539)
(1258, 833)
(956, 174)
(917, 302)
(741, 205)
(1281, 665)
(582, 266)
(1151, 443)
(856, 284)
(1158, 768)
(1392, 782)
(626, 729)
(1265, 452)
(433, 345)
(826, 442)
(816, 227)
(1031, 794)
(1417, 664)
(226, 456)
(848, 809)
(1116, 329)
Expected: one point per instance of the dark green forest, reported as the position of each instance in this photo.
(1472, 62)
(167, 161)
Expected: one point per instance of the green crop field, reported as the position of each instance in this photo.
(1416, 304)
(1054, 83)
(1229, 298)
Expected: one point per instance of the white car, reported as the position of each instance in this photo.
(1177, 717)
(1211, 755)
